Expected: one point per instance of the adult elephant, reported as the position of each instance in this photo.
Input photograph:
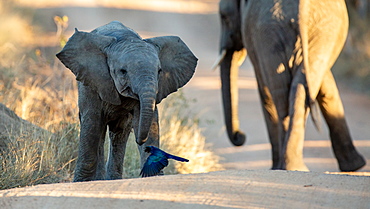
(292, 45)
(121, 79)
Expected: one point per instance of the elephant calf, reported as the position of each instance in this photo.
(121, 78)
(292, 45)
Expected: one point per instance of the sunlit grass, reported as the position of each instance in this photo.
(34, 157)
(41, 91)
(181, 135)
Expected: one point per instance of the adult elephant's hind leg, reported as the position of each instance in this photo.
(272, 123)
(331, 106)
(294, 138)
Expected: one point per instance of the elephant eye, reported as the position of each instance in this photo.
(226, 20)
(124, 71)
(159, 73)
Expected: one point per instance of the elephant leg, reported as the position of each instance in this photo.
(272, 123)
(332, 108)
(90, 159)
(118, 133)
(274, 92)
(100, 171)
(268, 54)
(298, 112)
(90, 152)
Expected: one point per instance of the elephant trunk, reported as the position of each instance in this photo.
(147, 97)
(229, 80)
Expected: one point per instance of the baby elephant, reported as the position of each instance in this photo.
(121, 78)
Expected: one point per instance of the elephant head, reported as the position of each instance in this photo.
(232, 55)
(115, 61)
(231, 38)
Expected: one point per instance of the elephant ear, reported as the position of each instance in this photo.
(177, 62)
(83, 55)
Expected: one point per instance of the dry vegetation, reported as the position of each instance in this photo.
(43, 92)
(354, 61)
(180, 135)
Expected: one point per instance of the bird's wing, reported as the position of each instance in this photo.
(153, 165)
(158, 152)
(177, 158)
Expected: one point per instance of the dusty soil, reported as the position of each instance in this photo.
(238, 187)
(223, 189)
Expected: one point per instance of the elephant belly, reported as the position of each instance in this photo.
(118, 112)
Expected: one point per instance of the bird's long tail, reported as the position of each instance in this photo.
(178, 158)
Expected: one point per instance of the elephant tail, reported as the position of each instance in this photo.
(315, 115)
(303, 20)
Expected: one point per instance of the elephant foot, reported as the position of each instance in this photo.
(296, 166)
(354, 164)
(292, 168)
(113, 176)
(278, 164)
(238, 139)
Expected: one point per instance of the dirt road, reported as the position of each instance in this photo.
(223, 189)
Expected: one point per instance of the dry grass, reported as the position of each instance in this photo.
(43, 92)
(181, 135)
(32, 87)
(43, 98)
(36, 158)
(353, 64)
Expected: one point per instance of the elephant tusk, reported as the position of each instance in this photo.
(219, 60)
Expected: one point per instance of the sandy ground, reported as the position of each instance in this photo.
(223, 189)
(237, 188)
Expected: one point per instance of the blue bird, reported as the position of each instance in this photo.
(156, 161)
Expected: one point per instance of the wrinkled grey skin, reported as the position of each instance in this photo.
(292, 46)
(121, 77)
